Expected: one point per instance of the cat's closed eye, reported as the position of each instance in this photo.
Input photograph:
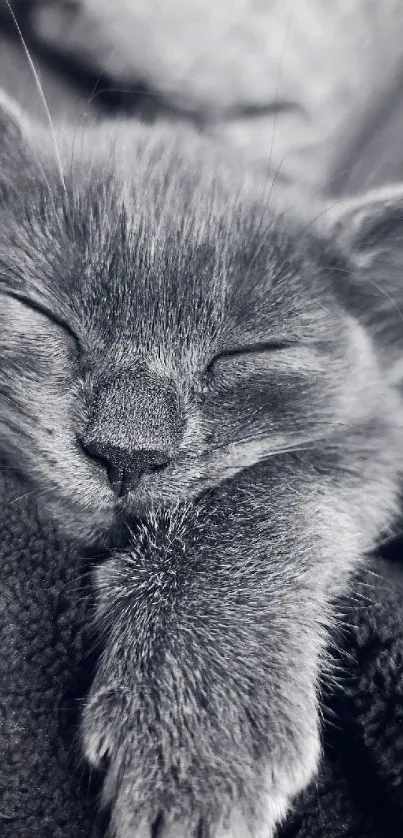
(251, 349)
(242, 359)
(260, 359)
(30, 308)
(245, 355)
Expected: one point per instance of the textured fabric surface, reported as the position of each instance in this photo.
(45, 791)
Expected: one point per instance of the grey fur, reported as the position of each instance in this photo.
(136, 260)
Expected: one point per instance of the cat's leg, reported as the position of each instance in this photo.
(205, 702)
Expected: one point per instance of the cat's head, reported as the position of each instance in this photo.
(163, 327)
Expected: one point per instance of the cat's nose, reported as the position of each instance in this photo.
(124, 468)
(135, 425)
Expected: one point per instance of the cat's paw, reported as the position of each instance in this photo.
(240, 821)
(141, 791)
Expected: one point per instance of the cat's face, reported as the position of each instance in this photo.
(160, 332)
(167, 335)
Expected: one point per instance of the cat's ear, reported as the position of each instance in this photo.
(369, 232)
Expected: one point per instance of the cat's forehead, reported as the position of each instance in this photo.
(178, 272)
(163, 254)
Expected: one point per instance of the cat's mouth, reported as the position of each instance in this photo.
(189, 477)
(182, 481)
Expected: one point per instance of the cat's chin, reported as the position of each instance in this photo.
(109, 526)
(86, 526)
(103, 519)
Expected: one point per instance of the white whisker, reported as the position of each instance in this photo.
(42, 96)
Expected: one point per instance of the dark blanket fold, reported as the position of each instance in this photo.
(45, 789)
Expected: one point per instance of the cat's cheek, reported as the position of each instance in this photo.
(69, 492)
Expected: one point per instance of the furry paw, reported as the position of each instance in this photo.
(183, 800)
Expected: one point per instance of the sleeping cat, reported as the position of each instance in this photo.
(193, 371)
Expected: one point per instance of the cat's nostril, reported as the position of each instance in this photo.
(124, 479)
(116, 478)
(124, 467)
(144, 461)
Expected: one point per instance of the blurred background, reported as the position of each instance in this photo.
(309, 90)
